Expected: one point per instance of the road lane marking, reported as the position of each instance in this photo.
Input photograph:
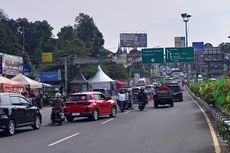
(212, 131)
(61, 140)
(126, 112)
(107, 121)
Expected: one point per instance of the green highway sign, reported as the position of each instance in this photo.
(176, 55)
(152, 55)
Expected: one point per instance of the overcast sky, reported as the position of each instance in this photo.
(160, 19)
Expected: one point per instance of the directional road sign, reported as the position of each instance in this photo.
(152, 55)
(177, 55)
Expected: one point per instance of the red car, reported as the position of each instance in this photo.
(89, 104)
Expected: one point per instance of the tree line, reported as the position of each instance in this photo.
(30, 39)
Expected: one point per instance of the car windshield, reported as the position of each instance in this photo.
(99, 90)
(78, 97)
(175, 88)
(148, 87)
(134, 90)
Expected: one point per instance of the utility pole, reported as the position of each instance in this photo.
(23, 49)
(66, 77)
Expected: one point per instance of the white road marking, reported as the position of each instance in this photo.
(126, 112)
(52, 144)
(107, 121)
(212, 131)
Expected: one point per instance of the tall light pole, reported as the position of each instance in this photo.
(186, 17)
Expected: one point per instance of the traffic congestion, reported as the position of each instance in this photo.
(91, 104)
(114, 76)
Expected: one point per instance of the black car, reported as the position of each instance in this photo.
(177, 92)
(16, 111)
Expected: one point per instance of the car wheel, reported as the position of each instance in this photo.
(95, 115)
(155, 105)
(172, 104)
(10, 130)
(113, 112)
(69, 119)
(37, 123)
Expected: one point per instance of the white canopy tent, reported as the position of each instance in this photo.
(27, 81)
(100, 80)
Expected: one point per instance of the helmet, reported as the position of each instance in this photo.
(142, 89)
(121, 91)
(58, 95)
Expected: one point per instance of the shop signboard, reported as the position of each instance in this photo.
(11, 65)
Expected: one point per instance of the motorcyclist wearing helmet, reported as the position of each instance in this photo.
(142, 97)
(57, 104)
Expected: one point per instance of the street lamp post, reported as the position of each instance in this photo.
(186, 17)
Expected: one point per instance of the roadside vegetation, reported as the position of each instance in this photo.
(216, 93)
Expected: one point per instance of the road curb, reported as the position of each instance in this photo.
(214, 111)
(203, 107)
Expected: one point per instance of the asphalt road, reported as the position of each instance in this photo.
(181, 129)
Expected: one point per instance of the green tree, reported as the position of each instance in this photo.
(87, 31)
(225, 47)
(69, 42)
(9, 42)
(3, 15)
(66, 33)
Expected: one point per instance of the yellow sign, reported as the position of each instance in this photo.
(47, 57)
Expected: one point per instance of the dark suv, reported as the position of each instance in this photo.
(177, 92)
(16, 111)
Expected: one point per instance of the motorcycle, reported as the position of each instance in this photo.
(122, 105)
(57, 117)
(142, 105)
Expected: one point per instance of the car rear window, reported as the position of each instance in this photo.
(78, 97)
(99, 90)
(148, 87)
(175, 88)
(5, 100)
(135, 90)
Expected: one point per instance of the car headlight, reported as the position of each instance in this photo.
(3, 117)
(9, 111)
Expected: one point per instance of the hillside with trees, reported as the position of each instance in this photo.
(30, 39)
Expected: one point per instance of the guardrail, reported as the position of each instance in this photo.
(222, 120)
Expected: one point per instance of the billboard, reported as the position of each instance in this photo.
(198, 46)
(133, 40)
(179, 42)
(47, 57)
(50, 76)
(11, 65)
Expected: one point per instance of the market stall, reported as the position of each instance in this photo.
(7, 85)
